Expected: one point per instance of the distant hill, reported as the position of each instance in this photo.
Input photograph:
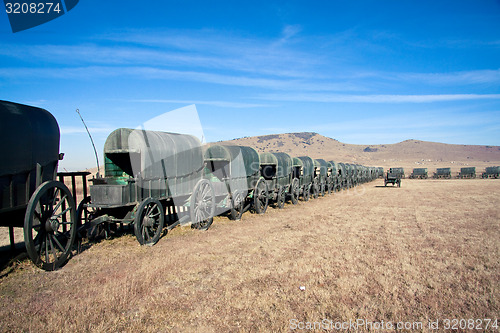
(408, 154)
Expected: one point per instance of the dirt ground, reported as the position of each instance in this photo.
(421, 254)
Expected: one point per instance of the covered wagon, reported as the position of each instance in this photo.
(350, 174)
(467, 172)
(276, 168)
(322, 171)
(303, 171)
(491, 172)
(335, 177)
(398, 171)
(343, 176)
(393, 176)
(442, 173)
(30, 196)
(144, 173)
(380, 172)
(420, 173)
(236, 175)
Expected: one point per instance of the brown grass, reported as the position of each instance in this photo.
(427, 250)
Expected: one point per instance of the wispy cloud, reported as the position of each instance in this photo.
(311, 70)
(188, 48)
(452, 78)
(279, 62)
(290, 31)
(224, 104)
(146, 72)
(336, 98)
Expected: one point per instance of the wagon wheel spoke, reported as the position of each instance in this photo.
(58, 243)
(155, 215)
(207, 195)
(63, 199)
(37, 227)
(65, 223)
(62, 213)
(148, 210)
(52, 249)
(38, 217)
(54, 198)
(262, 199)
(41, 245)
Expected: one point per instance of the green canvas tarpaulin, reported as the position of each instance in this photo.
(234, 163)
(174, 160)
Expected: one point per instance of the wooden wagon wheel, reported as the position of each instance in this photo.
(202, 205)
(238, 205)
(85, 215)
(50, 225)
(315, 188)
(149, 221)
(329, 187)
(306, 192)
(295, 191)
(322, 189)
(260, 197)
(280, 200)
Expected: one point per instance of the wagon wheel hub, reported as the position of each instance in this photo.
(202, 205)
(148, 221)
(52, 225)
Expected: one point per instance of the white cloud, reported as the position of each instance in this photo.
(310, 70)
(223, 104)
(453, 78)
(338, 98)
(290, 31)
(95, 72)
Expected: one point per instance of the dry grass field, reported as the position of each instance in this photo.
(426, 251)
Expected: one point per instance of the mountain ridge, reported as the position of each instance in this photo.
(407, 153)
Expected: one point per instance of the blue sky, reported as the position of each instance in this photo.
(363, 72)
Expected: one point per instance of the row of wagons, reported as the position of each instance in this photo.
(147, 171)
(465, 172)
(153, 181)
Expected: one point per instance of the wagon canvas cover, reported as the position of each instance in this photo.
(282, 162)
(152, 155)
(241, 164)
(29, 136)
